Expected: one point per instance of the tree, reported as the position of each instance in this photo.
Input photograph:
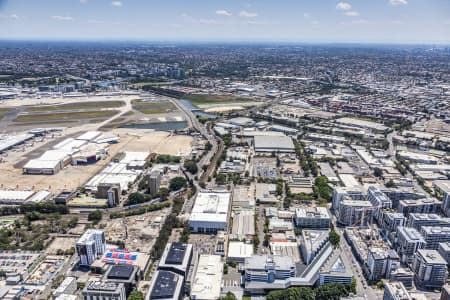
(191, 166)
(177, 183)
(229, 296)
(95, 216)
(321, 188)
(334, 238)
(135, 198)
(136, 295)
(391, 184)
(380, 284)
(377, 172)
(163, 193)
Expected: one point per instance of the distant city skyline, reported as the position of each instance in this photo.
(313, 21)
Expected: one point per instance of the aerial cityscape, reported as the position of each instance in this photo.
(219, 154)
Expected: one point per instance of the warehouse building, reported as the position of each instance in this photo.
(23, 197)
(210, 212)
(281, 143)
(208, 278)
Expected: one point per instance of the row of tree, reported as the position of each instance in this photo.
(331, 291)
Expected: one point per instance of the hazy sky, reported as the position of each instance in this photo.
(392, 21)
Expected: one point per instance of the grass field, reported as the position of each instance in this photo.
(150, 108)
(4, 111)
(199, 99)
(66, 116)
(77, 106)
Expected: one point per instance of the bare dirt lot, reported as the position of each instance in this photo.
(73, 176)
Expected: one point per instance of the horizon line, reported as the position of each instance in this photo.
(226, 41)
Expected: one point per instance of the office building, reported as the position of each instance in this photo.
(337, 269)
(381, 263)
(430, 269)
(101, 290)
(313, 242)
(154, 182)
(176, 258)
(391, 221)
(210, 212)
(443, 187)
(395, 291)
(268, 268)
(420, 206)
(125, 274)
(445, 293)
(312, 217)
(409, 240)
(419, 220)
(403, 275)
(165, 285)
(341, 193)
(379, 200)
(90, 246)
(68, 286)
(435, 235)
(355, 213)
(444, 251)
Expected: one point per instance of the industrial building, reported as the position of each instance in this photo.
(90, 246)
(208, 278)
(15, 198)
(119, 173)
(88, 148)
(239, 251)
(266, 193)
(210, 212)
(9, 141)
(312, 217)
(243, 224)
(430, 269)
(283, 144)
(362, 124)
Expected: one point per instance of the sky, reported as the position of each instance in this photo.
(310, 21)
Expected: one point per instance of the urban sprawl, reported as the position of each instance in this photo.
(152, 171)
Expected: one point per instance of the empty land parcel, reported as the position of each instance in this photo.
(76, 106)
(45, 117)
(201, 99)
(153, 107)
